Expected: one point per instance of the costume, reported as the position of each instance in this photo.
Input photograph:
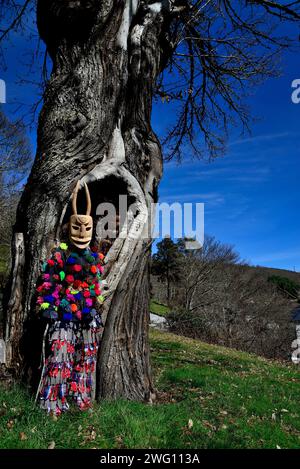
(69, 298)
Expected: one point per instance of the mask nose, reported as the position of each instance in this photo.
(82, 231)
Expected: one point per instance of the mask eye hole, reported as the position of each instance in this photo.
(88, 228)
(74, 227)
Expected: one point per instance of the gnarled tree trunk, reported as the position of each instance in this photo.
(94, 126)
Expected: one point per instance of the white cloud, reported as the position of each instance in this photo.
(234, 174)
(262, 138)
(212, 197)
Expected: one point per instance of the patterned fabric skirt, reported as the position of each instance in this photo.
(70, 366)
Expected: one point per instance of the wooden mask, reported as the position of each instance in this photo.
(81, 226)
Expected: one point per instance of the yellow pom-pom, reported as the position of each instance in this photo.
(45, 305)
(63, 246)
(100, 298)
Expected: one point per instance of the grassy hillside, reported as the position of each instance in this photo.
(209, 397)
(158, 308)
(269, 271)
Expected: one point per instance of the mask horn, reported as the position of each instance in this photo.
(88, 200)
(74, 198)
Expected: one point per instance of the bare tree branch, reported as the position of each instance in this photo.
(213, 52)
(224, 48)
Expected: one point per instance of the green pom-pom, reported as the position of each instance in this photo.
(62, 275)
(45, 305)
(100, 298)
(63, 246)
(64, 303)
(89, 258)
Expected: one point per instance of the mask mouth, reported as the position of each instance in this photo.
(81, 246)
(80, 240)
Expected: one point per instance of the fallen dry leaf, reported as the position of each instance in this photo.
(89, 435)
(23, 436)
(119, 441)
(10, 424)
(209, 425)
(51, 445)
(190, 424)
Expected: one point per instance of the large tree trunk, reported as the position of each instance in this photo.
(94, 126)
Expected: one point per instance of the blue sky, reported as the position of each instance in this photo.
(252, 194)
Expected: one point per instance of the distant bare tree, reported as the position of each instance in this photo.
(197, 268)
(15, 160)
(237, 307)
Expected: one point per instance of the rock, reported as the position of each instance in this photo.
(159, 322)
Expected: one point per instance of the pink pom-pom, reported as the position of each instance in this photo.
(78, 314)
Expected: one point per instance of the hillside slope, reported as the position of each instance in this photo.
(209, 397)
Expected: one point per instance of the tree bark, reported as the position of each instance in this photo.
(94, 126)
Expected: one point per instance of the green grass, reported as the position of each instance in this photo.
(158, 308)
(235, 400)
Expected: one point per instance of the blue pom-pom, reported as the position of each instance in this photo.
(67, 316)
(86, 310)
(49, 299)
(71, 260)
